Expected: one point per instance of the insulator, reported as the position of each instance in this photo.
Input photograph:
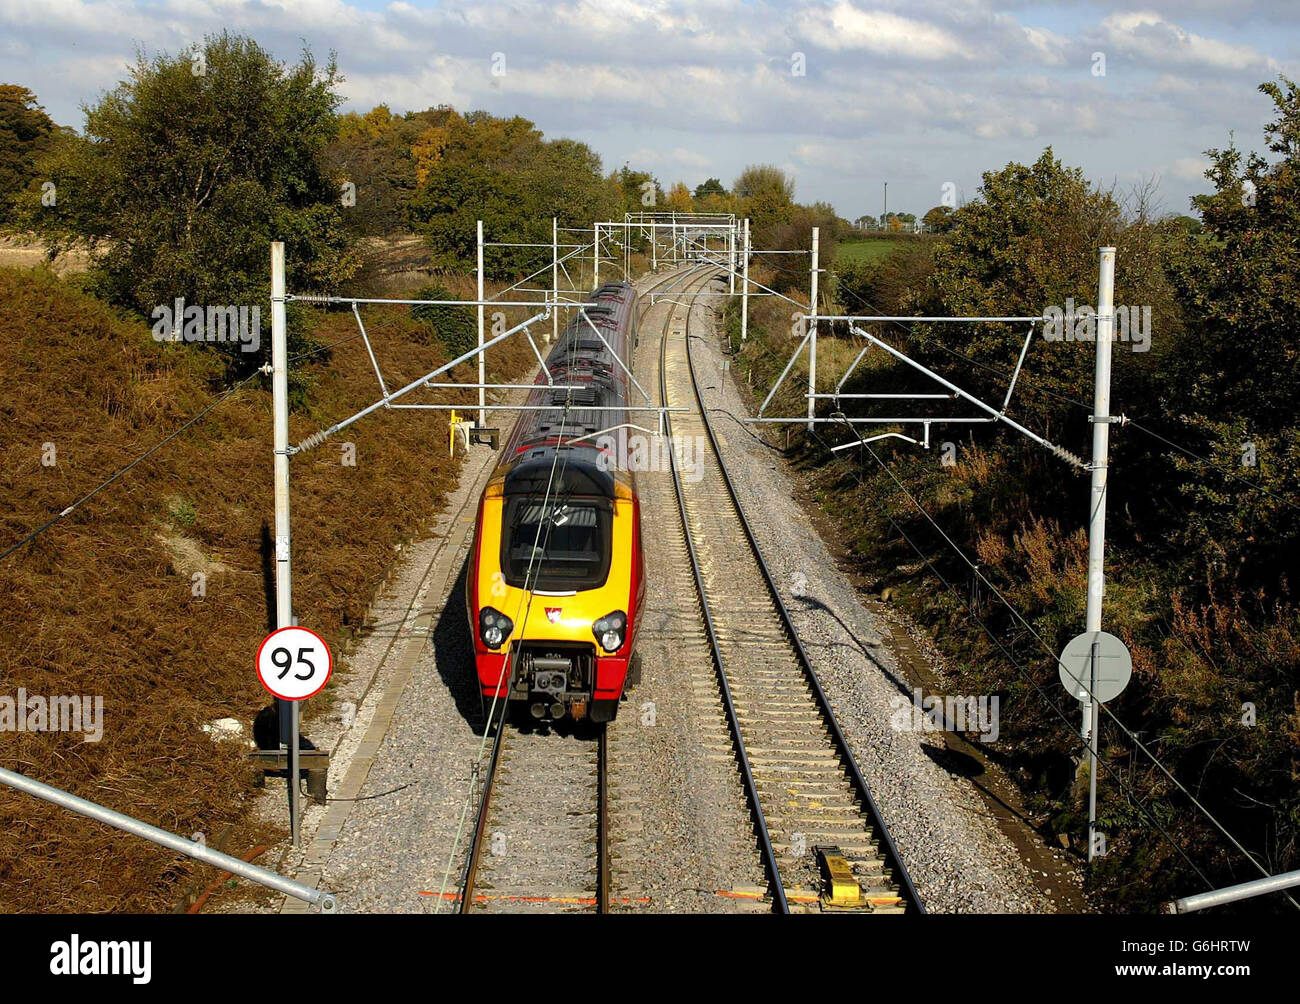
(315, 439)
(1069, 457)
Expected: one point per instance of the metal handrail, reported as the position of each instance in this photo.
(190, 848)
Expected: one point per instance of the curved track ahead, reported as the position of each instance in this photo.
(801, 781)
(803, 784)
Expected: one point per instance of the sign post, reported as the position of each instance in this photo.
(1095, 667)
(287, 711)
(293, 664)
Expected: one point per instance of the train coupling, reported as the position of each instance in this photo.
(550, 685)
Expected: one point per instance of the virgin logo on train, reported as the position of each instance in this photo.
(553, 614)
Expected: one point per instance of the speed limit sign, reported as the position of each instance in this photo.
(294, 663)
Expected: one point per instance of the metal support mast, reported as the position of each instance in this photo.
(287, 711)
(482, 368)
(1097, 510)
(744, 285)
(731, 258)
(555, 278)
(812, 331)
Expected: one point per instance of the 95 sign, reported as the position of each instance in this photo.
(294, 663)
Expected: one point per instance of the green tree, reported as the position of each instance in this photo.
(191, 167)
(794, 233)
(1241, 279)
(764, 180)
(503, 172)
(26, 134)
(639, 191)
(1027, 242)
(1236, 376)
(938, 219)
(383, 156)
(712, 186)
(767, 198)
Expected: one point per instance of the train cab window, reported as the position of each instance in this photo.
(568, 544)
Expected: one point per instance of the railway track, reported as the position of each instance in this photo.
(542, 835)
(816, 822)
(541, 838)
(542, 832)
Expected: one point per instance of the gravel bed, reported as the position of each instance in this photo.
(958, 858)
(683, 840)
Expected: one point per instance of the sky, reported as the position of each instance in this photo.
(846, 95)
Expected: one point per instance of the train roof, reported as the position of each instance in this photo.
(589, 354)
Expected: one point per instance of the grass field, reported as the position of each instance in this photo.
(868, 249)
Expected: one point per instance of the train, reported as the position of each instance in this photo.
(556, 581)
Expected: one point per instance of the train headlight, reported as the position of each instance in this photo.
(611, 630)
(494, 627)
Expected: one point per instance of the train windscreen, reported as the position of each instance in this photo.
(567, 542)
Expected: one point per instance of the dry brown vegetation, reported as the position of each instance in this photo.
(1197, 586)
(101, 604)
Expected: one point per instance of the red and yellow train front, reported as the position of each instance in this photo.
(555, 588)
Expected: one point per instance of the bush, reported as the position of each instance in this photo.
(454, 327)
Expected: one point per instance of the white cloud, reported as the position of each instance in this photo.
(1150, 37)
(678, 157)
(898, 88)
(1189, 168)
(847, 27)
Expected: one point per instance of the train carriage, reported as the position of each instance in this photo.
(557, 575)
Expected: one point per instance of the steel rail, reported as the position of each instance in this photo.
(470, 874)
(480, 822)
(892, 857)
(767, 852)
(602, 822)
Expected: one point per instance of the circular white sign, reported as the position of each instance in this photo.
(1114, 665)
(294, 663)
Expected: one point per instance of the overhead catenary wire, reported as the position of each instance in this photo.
(1065, 399)
(507, 659)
